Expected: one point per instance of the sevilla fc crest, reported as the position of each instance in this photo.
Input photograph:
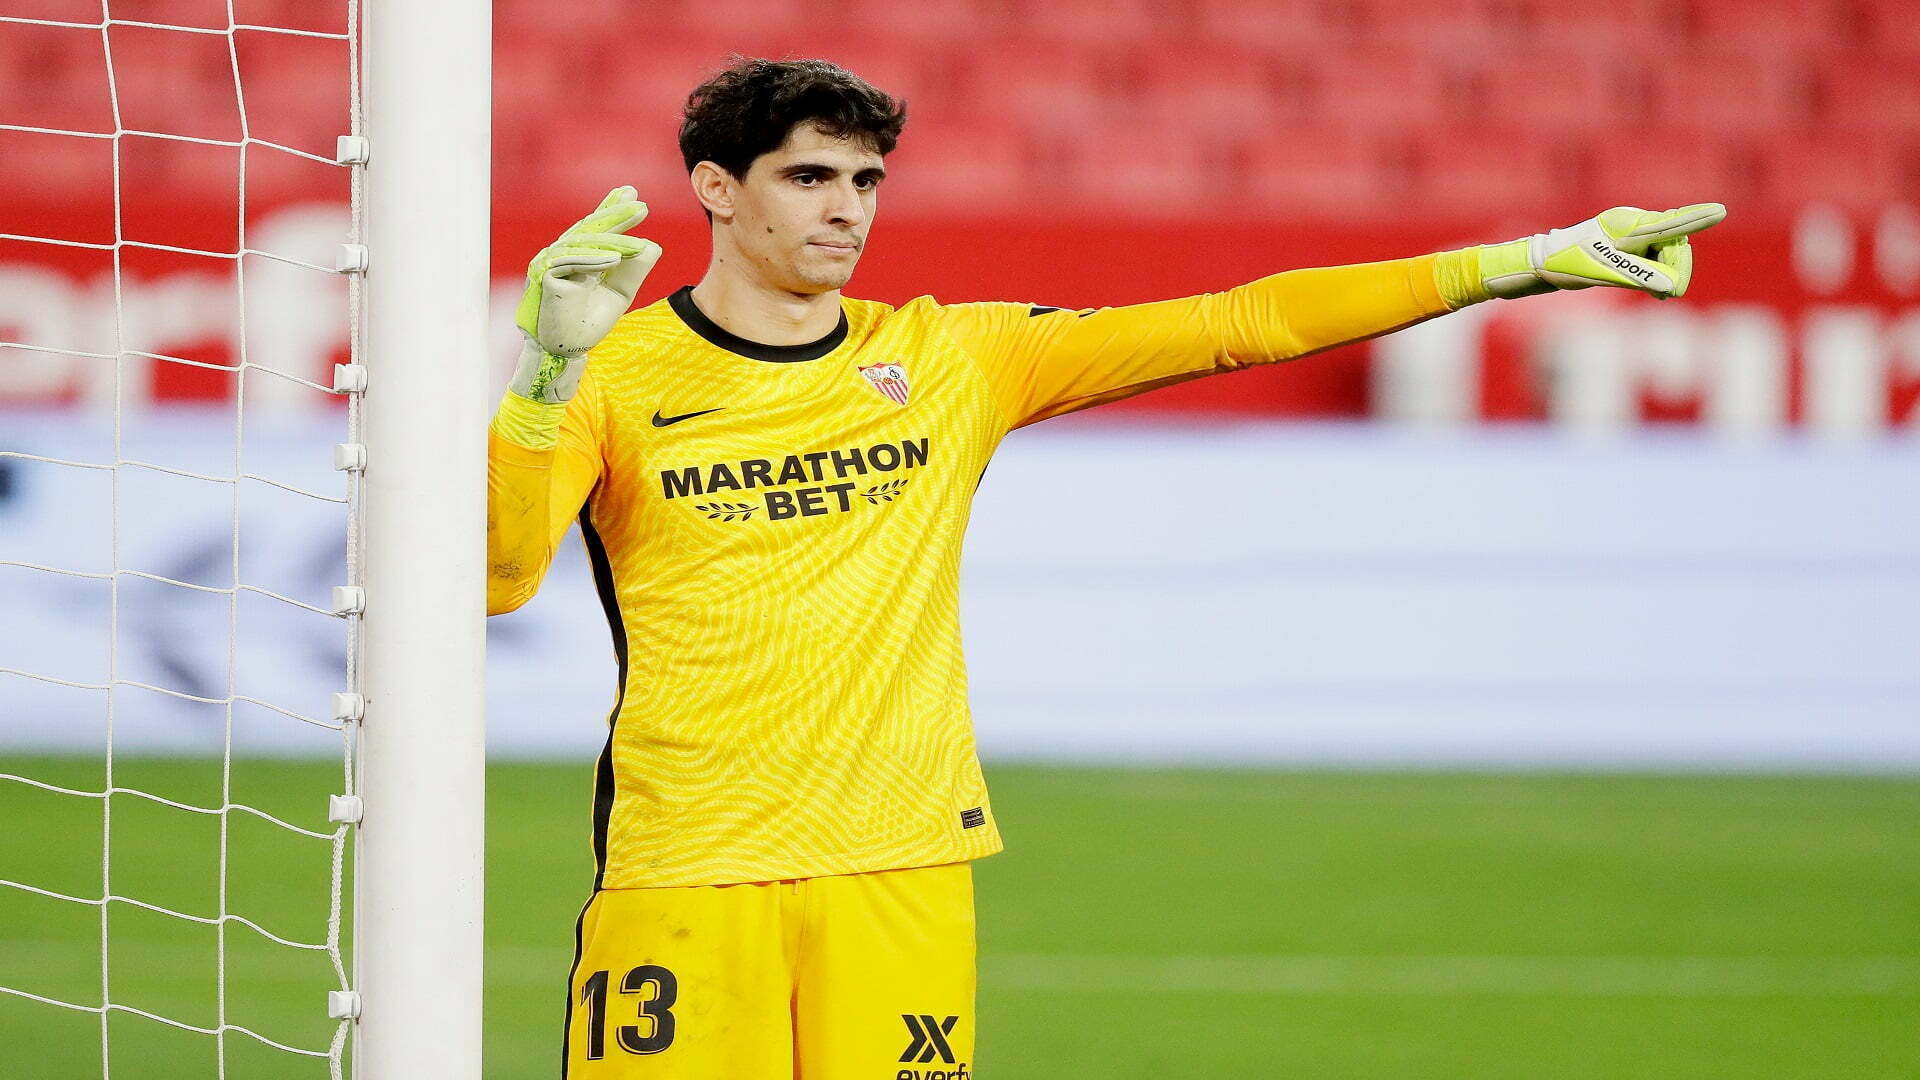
(889, 379)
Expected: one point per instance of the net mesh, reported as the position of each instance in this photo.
(140, 58)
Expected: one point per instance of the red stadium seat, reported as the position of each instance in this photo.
(306, 113)
(80, 11)
(1674, 167)
(1471, 169)
(1620, 28)
(1731, 93)
(1380, 88)
(747, 16)
(54, 77)
(946, 21)
(1457, 27)
(1773, 29)
(1212, 89)
(67, 172)
(1892, 29)
(1847, 172)
(1039, 88)
(1264, 24)
(1094, 22)
(1560, 91)
(284, 14)
(1327, 170)
(964, 169)
(523, 81)
(182, 84)
(512, 19)
(1881, 98)
(1147, 171)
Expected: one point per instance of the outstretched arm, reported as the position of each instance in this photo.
(1043, 362)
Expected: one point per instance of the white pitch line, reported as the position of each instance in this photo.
(1277, 974)
(1601, 976)
(1297, 974)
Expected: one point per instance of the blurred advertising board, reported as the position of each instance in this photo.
(1807, 324)
(1307, 592)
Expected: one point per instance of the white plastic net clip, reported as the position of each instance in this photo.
(352, 150)
(349, 600)
(350, 259)
(343, 809)
(349, 457)
(349, 706)
(349, 378)
(343, 1004)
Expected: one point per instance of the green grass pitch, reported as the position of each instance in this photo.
(1165, 923)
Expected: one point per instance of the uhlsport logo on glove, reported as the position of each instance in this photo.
(1621, 262)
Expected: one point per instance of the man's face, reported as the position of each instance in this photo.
(802, 213)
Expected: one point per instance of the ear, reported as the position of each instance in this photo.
(715, 187)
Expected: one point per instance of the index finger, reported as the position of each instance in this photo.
(618, 212)
(1673, 224)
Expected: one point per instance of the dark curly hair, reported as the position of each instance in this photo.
(748, 110)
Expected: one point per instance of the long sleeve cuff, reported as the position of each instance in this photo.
(530, 424)
(1456, 274)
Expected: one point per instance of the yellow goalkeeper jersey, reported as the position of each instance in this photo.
(776, 530)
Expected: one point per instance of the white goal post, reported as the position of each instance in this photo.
(410, 719)
(418, 870)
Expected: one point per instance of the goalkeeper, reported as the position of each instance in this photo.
(772, 480)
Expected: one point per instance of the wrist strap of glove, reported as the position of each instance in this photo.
(546, 377)
(1512, 269)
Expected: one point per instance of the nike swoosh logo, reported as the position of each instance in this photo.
(663, 421)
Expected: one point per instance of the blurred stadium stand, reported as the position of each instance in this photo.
(1346, 108)
(1229, 138)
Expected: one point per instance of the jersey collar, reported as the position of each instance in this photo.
(697, 321)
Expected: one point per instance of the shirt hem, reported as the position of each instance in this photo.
(806, 866)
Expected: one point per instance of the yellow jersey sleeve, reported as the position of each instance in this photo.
(1043, 362)
(535, 491)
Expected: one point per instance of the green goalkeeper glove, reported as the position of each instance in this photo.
(576, 289)
(1609, 249)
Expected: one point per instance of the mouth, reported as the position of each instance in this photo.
(835, 248)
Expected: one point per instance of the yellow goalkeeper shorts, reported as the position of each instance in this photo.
(850, 977)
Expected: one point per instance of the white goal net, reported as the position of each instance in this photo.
(186, 444)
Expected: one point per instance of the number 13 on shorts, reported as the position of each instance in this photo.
(657, 989)
(848, 977)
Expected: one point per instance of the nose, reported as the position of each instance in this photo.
(846, 208)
